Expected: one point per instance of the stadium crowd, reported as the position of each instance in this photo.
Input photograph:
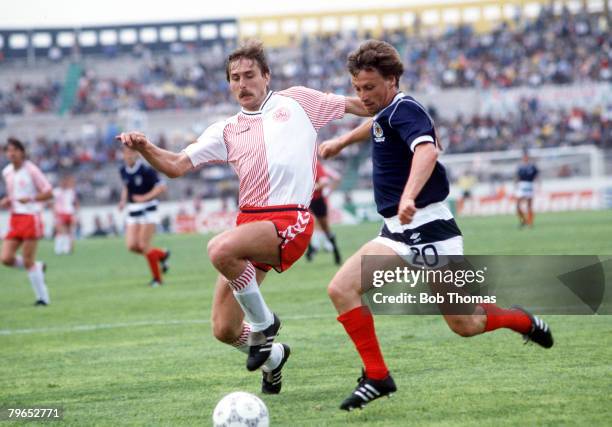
(95, 157)
(551, 49)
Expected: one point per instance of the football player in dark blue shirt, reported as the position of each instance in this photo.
(526, 175)
(410, 186)
(141, 188)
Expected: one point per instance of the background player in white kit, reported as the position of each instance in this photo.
(26, 188)
(271, 143)
(65, 207)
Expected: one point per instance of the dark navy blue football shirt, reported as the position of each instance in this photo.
(396, 131)
(139, 179)
(527, 172)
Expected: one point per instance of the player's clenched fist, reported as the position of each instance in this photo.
(134, 140)
(330, 148)
(406, 211)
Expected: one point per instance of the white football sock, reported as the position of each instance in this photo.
(57, 247)
(246, 292)
(37, 279)
(66, 244)
(276, 356)
(241, 342)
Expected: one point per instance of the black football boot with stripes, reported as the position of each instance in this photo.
(368, 390)
(271, 382)
(164, 262)
(260, 345)
(540, 332)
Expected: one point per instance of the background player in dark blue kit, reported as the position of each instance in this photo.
(526, 175)
(141, 187)
(410, 186)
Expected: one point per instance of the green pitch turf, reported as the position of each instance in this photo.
(112, 351)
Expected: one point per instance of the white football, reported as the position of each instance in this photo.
(241, 409)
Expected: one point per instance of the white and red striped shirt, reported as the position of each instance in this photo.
(272, 150)
(64, 201)
(27, 181)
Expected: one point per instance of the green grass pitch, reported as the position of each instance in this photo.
(112, 351)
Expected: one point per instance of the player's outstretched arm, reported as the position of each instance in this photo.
(353, 105)
(423, 164)
(332, 147)
(170, 164)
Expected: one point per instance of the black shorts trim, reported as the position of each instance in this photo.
(142, 211)
(434, 231)
(265, 210)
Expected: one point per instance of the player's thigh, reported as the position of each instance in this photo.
(28, 250)
(9, 249)
(145, 235)
(132, 233)
(370, 257)
(225, 308)
(258, 241)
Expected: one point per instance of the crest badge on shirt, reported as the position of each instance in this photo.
(281, 115)
(378, 133)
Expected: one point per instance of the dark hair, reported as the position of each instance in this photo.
(376, 55)
(16, 144)
(250, 49)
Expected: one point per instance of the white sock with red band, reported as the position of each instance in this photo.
(246, 292)
(241, 342)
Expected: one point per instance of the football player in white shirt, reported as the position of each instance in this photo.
(271, 144)
(65, 208)
(26, 188)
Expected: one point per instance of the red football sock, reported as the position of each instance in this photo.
(153, 257)
(498, 317)
(159, 253)
(359, 325)
(530, 218)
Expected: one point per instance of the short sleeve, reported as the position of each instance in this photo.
(40, 181)
(209, 147)
(321, 108)
(413, 124)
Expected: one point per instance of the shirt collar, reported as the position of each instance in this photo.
(396, 98)
(252, 113)
(134, 167)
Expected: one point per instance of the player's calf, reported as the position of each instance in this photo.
(466, 325)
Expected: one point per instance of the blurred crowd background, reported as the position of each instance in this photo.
(553, 49)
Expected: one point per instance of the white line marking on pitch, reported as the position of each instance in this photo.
(100, 326)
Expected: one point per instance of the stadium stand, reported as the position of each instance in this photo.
(69, 100)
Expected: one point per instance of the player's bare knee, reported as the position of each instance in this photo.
(219, 251)
(337, 291)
